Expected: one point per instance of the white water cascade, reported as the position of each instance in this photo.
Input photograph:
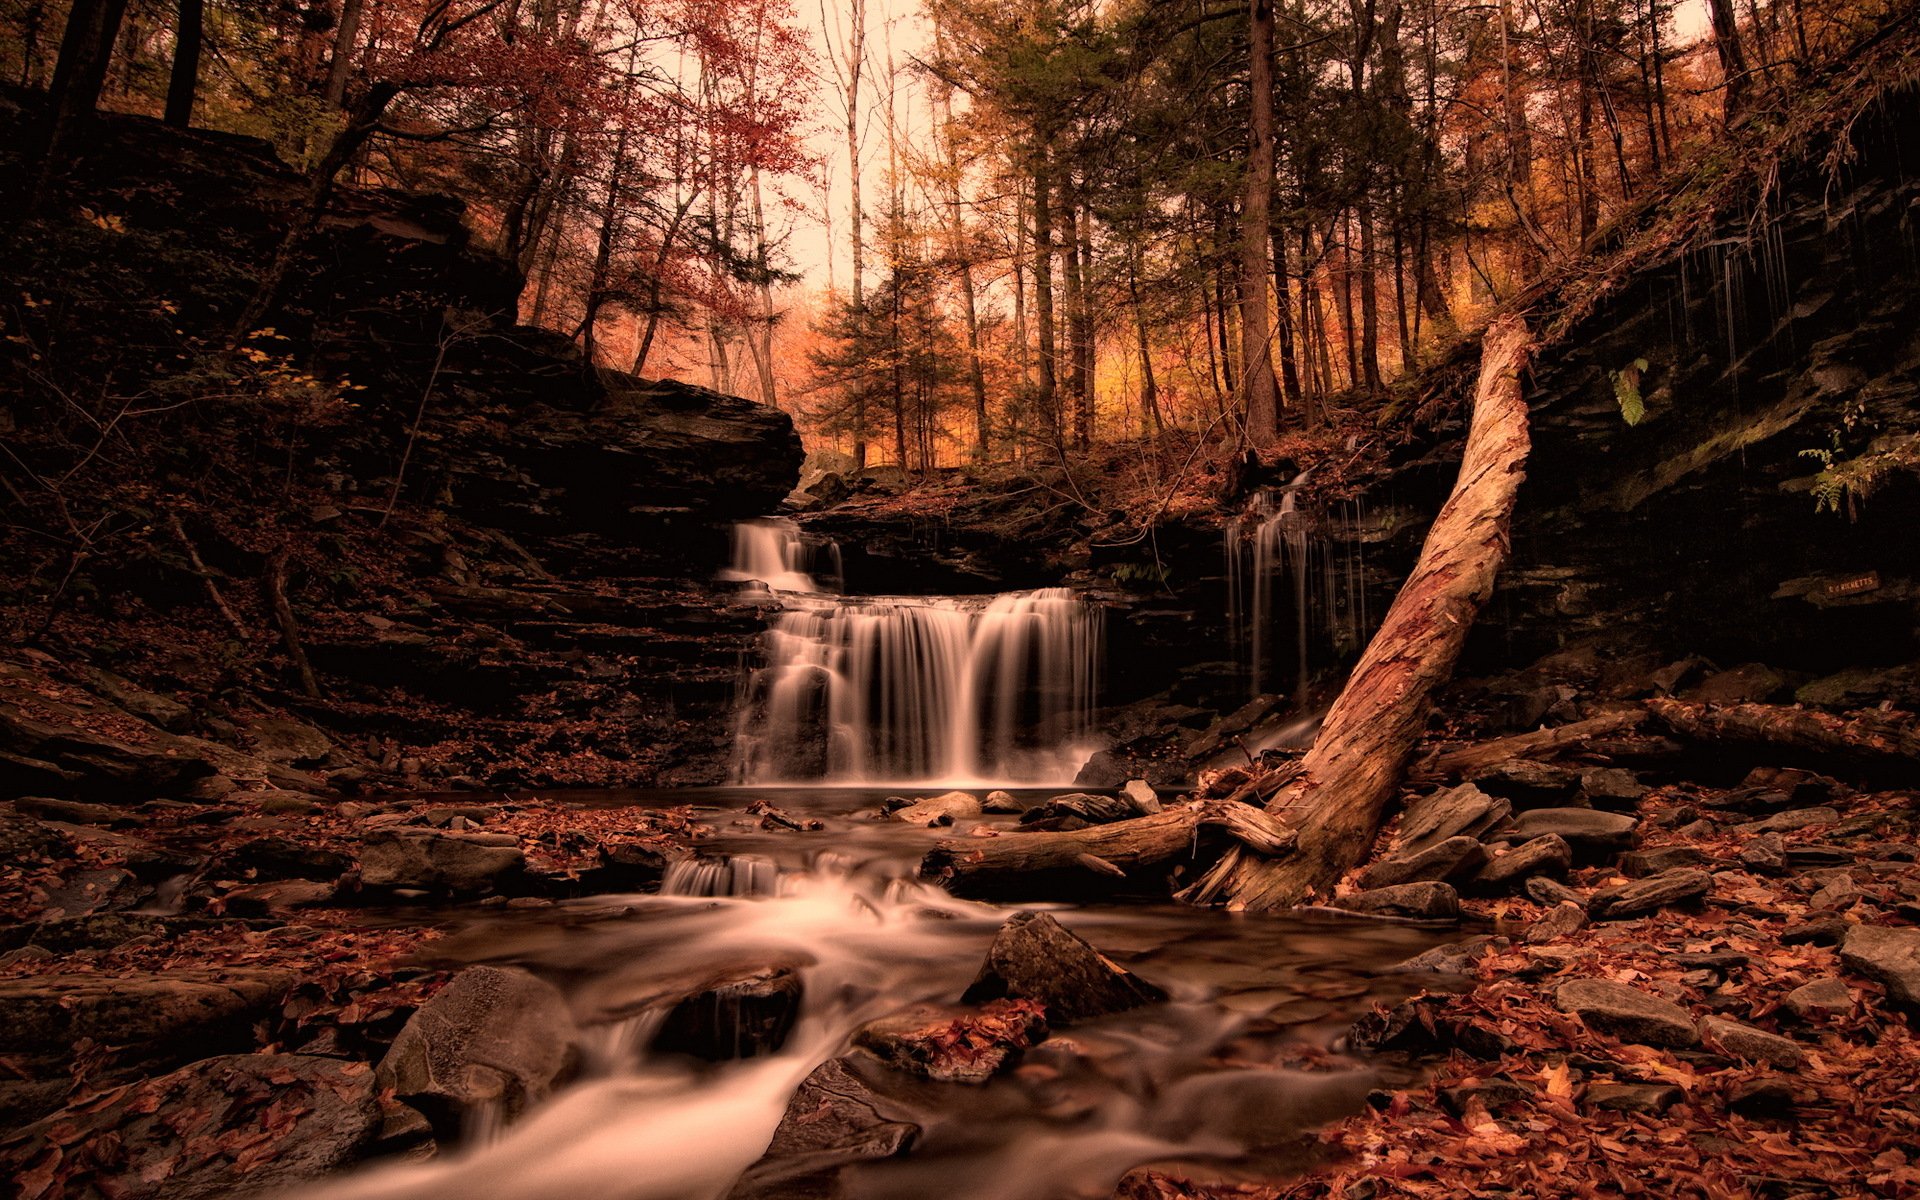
(1301, 568)
(924, 690)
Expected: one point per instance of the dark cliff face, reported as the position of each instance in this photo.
(535, 608)
(1782, 380)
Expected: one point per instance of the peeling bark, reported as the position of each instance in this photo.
(1338, 799)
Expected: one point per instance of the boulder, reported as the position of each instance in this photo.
(939, 810)
(955, 1044)
(495, 1039)
(1142, 796)
(1034, 958)
(835, 1119)
(1002, 803)
(1765, 855)
(1454, 859)
(741, 1014)
(1542, 890)
(282, 740)
(1590, 833)
(1683, 886)
(1527, 782)
(1790, 820)
(1887, 955)
(238, 1124)
(1419, 901)
(1545, 857)
(1754, 1045)
(436, 861)
(1612, 786)
(1627, 1013)
(1463, 811)
(1077, 810)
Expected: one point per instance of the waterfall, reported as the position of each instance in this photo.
(934, 689)
(774, 553)
(1300, 569)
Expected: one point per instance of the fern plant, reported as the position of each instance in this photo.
(1626, 390)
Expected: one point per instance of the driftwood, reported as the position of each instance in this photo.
(1864, 744)
(1469, 760)
(1073, 862)
(200, 568)
(1338, 799)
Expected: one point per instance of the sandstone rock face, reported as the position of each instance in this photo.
(136, 1147)
(493, 1038)
(1033, 958)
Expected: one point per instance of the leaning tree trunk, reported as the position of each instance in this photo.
(1337, 799)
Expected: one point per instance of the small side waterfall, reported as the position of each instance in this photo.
(911, 689)
(1298, 569)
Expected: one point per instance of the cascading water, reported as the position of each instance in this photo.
(774, 552)
(959, 690)
(1303, 568)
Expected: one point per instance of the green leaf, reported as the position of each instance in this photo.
(1626, 390)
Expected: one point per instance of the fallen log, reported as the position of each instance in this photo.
(1464, 762)
(1863, 744)
(1338, 800)
(1070, 863)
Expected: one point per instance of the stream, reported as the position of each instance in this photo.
(1230, 1073)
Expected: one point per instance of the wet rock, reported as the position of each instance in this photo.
(279, 896)
(170, 1015)
(939, 810)
(1463, 811)
(149, 861)
(1821, 931)
(1888, 956)
(1547, 856)
(742, 1014)
(1754, 1045)
(102, 931)
(1789, 821)
(1821, 997)
(495, 1039)
(435, 861)
(1420, 901)
(202, 1131)
(1589, 832)
(1002, 803)
(1650, 1099)
(835, 1119)
(1077, 810)
(1141, 795)
(1647, 895)
(952, 1043)
(1561, 922)
(1452, 860)
(1454, 958)
(1527, 782)
(1419, 1026)
(84, 892)
(627, 866)
(1640, 863)
(1034, 958)
(1627, 1013)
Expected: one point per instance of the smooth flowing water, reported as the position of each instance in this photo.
(1227, 1075)
(985, 690)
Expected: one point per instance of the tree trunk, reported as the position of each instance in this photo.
(343, 46)
(1256, 263)
(1046, 398)
(86, 49)
(1342, 787)
(1733, 56)
(184, 82)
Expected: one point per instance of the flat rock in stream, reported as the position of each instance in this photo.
(495, 1038)
(1034, 958)
(238, 1124)
(835, 1119)
(1415, 901)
